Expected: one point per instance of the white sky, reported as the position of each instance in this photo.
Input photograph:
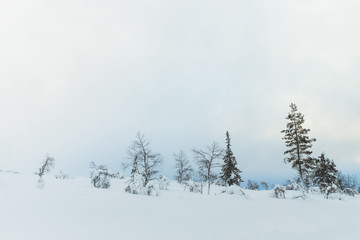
(78, 79)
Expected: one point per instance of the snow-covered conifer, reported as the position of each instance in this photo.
(230, 174)
(299, 144)
(325, 173)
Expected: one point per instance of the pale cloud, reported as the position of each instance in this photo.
(80, 78)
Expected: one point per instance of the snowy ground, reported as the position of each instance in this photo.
(73, 209)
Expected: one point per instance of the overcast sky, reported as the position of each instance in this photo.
(79, 79)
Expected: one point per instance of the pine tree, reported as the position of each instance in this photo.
(230, 174)
(325, 173)
(299, 144)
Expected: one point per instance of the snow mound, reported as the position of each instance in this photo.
(234, 190)
(278, 192)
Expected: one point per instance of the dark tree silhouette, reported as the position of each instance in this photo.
(299, 144)
(230, 174)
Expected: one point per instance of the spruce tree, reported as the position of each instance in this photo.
(325, 173)
(230, 174)
(299, 144)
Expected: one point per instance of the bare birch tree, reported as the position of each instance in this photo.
(207, 160)
(183, 168)
(143, 160)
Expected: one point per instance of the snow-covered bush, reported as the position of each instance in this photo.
(164, 183)
(100, 176)
(302, 196)
(192, 186)
(62, 175)
(330, 190)
(349, 192)
(153, 188)
(293, 186)
(234, 190)
(278, 192)
(136, 186)
(314, 190)
(118, 175)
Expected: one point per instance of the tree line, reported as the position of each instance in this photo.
(312, 171)
(145, 165)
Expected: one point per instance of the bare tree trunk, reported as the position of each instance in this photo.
(298, 156)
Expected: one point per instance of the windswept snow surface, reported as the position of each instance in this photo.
(73, 209)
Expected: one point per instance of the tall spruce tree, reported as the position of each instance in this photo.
(325, 173)
(230, 174)
(299, 144)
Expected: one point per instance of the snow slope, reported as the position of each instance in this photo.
(73, 209)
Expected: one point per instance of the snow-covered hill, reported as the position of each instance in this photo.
(73, 209)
